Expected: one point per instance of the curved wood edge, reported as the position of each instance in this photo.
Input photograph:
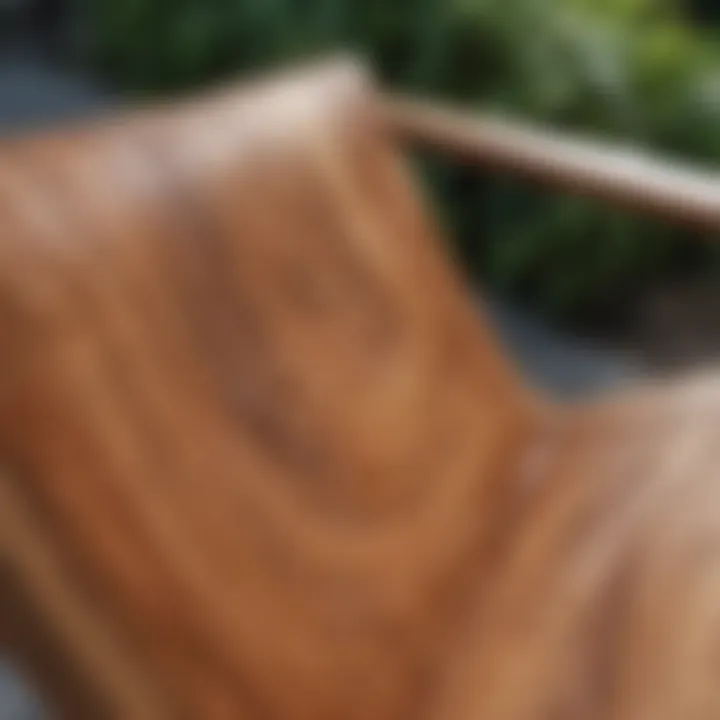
(50, 626)
(624, 176)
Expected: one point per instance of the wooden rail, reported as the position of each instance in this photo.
(624, 176)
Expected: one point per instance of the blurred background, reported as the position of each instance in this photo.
(586, 296)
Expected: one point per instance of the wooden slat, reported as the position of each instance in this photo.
(626, 176)
(252, 401)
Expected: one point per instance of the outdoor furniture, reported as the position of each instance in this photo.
(261, 457)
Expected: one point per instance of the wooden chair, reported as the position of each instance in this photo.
(262, 459)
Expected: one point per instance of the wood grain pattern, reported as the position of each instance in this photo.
(260, 459)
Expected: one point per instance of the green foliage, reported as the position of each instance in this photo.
(627, 69)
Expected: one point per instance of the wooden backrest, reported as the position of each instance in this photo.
(249, 424)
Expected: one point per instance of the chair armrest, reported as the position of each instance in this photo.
(625, 176)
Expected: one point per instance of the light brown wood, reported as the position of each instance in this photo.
(262, 459)
(626, 176)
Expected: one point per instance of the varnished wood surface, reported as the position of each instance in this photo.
(602, 597)
(260, 459)
(241, 395)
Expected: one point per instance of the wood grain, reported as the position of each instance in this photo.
(260, 459)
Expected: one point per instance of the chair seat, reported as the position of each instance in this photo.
(262, 457)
